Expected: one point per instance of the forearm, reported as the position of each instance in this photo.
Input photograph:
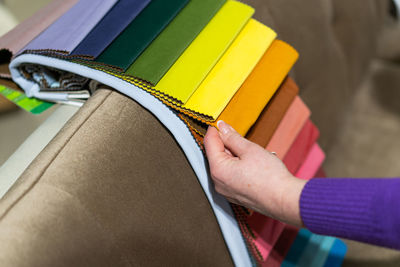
(365, 210)
(288, 198)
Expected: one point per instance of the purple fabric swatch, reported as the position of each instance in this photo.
(71, 28)
(110, 27)
(366, 210)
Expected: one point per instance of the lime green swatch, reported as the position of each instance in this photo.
(162, 53)
(32, 105)
(183, 78)
(221, 84)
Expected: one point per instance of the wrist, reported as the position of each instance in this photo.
(290, 200)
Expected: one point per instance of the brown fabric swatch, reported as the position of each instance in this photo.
(112, 189)
(265, 126)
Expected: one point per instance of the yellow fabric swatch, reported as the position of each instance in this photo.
(218, 88)
(183, 78)
(254, 94)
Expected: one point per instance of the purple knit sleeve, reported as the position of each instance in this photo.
(366, 210)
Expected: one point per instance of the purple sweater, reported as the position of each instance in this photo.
(366, 210)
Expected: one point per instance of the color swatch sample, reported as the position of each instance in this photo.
(72, 27)
(113, 23)
(25, 32)
(199, 58)
(312, 162)
(301, 147)
(247, 104)
(162, 53)
(32, 105)
(214, 93)
(290, 126)
(141, 32)
(269, 119)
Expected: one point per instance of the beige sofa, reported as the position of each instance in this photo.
(114, 189)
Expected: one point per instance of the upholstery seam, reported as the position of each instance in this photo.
(15, 202)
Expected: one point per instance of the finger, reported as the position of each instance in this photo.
(233, 141)
(214, 146)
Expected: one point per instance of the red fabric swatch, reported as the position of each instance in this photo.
(301, 147)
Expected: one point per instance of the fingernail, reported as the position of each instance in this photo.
(223, 127)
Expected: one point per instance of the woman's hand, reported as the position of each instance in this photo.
(249, 175)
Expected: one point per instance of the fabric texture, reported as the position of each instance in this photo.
(267, 231)
(23, 33)
(112, 24)
(247, 104)
(312, 162)
(336, 256)
(162, 53)
(223, 81)
(301, 147)
(359, 209)
(183, 78)
(219, 205)
(124, 206)
(70, 29)
(288, 129)
(271, 116)
(290, 245)
(141, 32)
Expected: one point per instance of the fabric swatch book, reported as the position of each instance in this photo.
(190, 63)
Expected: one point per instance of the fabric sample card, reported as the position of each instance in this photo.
(71, 28)
(312, 163)
(285, 243)
(282, 247)
(33, 105)
(113, 23)
(23, 33)
(309, 249)
(183, 78)
(297, 248)
(162, 53)
(290, 126)
(220, 85)
(337, 254)
(141, 32)
(301, 147)
(266, 232)
(252, 97)
(317, 251)
(269, 120)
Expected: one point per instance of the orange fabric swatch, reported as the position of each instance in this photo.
(290, 126)
(252, 97)
(265, 126)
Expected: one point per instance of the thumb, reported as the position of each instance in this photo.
(232, 140)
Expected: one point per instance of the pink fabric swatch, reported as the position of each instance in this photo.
(310, 168)
(290, 126)
(267, 231)
(287, 141)
(312, 163)
(301, 147)
(23, 33)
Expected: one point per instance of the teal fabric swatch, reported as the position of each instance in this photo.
(162, 53)
(141, 32)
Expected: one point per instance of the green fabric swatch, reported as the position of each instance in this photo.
(170, 44)
(32, 105)
(141, 32)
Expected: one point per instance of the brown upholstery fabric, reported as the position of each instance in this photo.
(112, 189)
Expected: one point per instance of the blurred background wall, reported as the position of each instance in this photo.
(15, 124)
